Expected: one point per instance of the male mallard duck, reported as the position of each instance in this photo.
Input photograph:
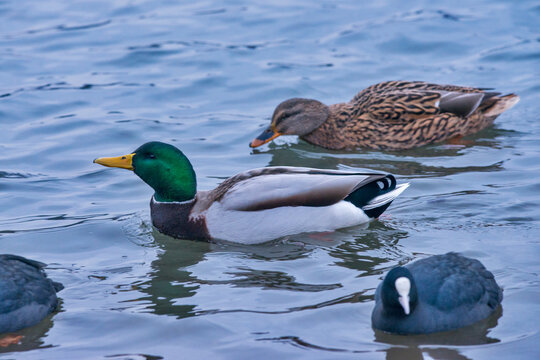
(439, 293)
(26, 294)
(257, 205)
(392, 115)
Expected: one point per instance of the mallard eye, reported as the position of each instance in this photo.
(150, 156)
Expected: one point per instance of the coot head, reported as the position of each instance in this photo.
(398, 292)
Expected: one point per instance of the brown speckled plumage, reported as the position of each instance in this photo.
(396, 115)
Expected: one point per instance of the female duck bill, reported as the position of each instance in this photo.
(266, 136)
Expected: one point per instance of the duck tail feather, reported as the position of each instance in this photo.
(501, 104)
(380, 203)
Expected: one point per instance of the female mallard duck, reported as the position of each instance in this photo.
(257, 205)
(438, 293)
(26, 294)
(392, 115)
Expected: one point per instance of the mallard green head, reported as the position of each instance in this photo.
(162, 166)
(293, 117)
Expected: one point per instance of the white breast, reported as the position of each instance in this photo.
(252, 227)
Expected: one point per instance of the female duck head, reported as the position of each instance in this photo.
(162, 166)
(398, 293)
(293, 117)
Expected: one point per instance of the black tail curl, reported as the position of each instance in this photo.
(363, 195)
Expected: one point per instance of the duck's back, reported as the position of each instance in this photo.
(404, 114)
(388, 87)
(26, 294)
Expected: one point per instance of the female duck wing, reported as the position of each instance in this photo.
(462, 104)
(414, 105)
(410, 100)
(274, 187)
(388, 87)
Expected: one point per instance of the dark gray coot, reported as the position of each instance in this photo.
(26, 294)
(438, 293)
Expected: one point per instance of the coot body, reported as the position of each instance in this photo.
(438, 293)
(26, 294)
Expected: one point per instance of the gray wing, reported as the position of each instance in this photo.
(463, 104)
(273, 187)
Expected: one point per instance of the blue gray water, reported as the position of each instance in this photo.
(82, 79)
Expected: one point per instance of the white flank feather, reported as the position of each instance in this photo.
(253, 227)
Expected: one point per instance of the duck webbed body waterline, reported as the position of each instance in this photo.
(392, 115)
(256, 205)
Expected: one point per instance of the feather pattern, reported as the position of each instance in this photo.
(448, 292)
(293, 187)
(264, 204)
(256, 205)
(396, 115)
(27, 295)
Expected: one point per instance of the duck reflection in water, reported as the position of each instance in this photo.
(174, 276)
(424, 161)
(172, 279)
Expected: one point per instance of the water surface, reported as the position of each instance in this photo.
(82, 79)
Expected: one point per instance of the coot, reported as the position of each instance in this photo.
(438, 293)
(26, 294)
